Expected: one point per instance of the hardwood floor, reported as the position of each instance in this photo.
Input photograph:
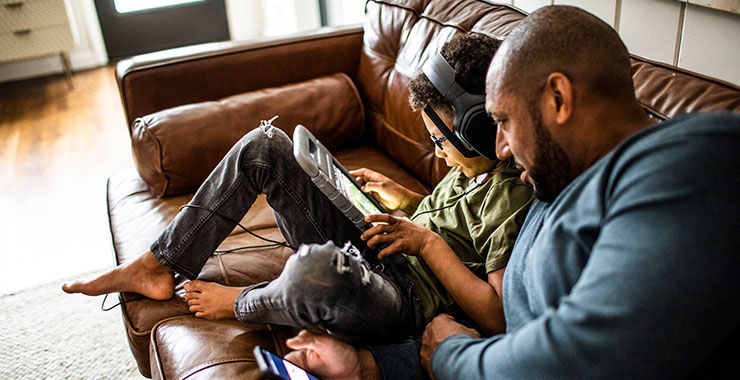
(57, 148)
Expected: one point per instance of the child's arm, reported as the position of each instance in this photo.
(481, 300)
(391, 195)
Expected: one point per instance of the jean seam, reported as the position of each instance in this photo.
(187, 237)
(167, 261)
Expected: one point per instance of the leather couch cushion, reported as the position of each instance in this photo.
(188, 347)
(175, 149)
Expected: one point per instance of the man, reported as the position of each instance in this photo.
(630, 270)
(325, 287)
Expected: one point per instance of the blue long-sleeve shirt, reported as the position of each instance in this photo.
(632, 272)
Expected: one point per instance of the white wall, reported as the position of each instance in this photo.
(245, 18)
(289, 16)
(342, 12)
(710, 43)
(638, 20)
(689, 36)
(257, 18)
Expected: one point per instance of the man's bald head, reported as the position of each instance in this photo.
(567, 40)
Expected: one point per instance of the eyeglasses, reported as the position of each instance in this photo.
(438, 141)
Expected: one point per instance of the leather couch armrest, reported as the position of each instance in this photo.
(157, 81)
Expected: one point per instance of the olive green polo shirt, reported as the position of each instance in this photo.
(480, 226)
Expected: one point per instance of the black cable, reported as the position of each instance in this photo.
(102, 306)
(247, 248)
(105, 298)
(214, 212)
(449, 205)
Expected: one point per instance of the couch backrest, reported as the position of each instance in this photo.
(400, 35)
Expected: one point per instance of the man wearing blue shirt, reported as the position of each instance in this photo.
(631, 269)
(628, 267)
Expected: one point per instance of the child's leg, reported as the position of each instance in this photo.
(262, 162)
(324, 287)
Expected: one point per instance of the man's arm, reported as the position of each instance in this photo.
(330, 358)
(440, 328)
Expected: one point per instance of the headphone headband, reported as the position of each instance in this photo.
(442, 76)
(470, 122)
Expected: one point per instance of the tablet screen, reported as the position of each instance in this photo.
(286, 369)
(354, 194)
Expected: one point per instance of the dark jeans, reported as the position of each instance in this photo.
(322, 286)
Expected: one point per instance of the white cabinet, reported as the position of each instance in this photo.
(35, 28)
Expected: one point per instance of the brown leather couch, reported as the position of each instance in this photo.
(186, 108)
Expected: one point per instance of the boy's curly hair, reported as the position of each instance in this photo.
(470, 55)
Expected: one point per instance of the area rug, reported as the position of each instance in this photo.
(48, 334)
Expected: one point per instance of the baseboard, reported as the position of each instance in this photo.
(33, 68)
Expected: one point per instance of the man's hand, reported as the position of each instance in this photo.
(330, 358)
(390, 194)
(439, 329)
(401, 235)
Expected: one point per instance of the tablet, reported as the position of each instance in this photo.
(333, 179)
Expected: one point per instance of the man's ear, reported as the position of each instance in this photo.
(559, 93)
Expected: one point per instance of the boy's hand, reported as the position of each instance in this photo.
(401, 236)
(390, 194)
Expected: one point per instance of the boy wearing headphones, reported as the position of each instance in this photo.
(451, 258)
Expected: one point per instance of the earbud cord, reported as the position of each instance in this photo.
(272, 242)
(449, 205)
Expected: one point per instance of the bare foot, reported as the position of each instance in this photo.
(210, 300)
(145, 275)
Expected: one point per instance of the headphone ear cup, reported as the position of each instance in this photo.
(479, 131)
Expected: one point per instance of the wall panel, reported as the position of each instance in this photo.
(603, 9)
(711, 43)
(649, 28)
(531, 5)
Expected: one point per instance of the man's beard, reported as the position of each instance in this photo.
(552, 170)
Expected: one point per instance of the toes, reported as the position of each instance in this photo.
(196, 285)
(74, 287)
(190, 285)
